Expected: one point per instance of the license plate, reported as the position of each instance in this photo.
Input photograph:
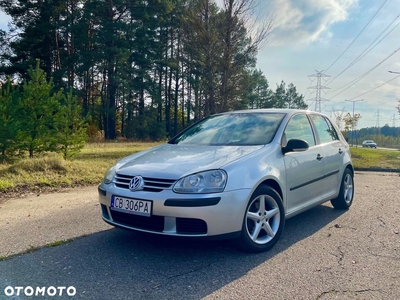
(132, 206)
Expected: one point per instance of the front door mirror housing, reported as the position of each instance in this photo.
(295, 145)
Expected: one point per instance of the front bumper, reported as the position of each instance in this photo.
(187, 215)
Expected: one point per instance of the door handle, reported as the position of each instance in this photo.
(340, 151)
(319, 157)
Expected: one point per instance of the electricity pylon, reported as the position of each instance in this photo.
(318, 99)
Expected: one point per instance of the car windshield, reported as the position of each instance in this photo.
(241, 129)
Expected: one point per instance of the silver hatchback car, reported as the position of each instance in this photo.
(237, 174)
(369, 143)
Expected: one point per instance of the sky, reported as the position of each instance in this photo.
(352, 43)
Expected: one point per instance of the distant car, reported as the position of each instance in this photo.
(369, 143)
(236, 174)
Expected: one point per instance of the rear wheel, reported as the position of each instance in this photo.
(263, 221)
(346, 193)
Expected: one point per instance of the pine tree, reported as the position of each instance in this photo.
(287, 97)
(8, 124)
(36, 110)
(293, 99)
(280, 95)
(70, 127)
(34, 35)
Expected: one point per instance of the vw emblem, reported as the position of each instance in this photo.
(136, 183)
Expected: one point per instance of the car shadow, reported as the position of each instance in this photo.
(120, 264)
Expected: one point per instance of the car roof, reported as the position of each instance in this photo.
(288, 111)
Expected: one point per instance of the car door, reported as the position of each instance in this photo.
(304, 170)
(333, 152)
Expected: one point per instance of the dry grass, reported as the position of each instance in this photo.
(50, 171)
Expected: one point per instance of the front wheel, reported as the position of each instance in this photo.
(263, 221)
(346, 193)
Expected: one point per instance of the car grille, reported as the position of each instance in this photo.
(156, 223)
(150, 184)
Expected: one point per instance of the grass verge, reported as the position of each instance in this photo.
(50, 172)
(375, 159)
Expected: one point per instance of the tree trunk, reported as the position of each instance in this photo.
(176, 91)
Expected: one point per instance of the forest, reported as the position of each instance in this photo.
(138, 69)
(386, 136)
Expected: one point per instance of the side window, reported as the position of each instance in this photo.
(325, 129)
(299, 128)
(332, 130)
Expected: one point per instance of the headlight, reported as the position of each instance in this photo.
(110, 175)
(204, 182)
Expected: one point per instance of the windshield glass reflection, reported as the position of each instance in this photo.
(240, 129)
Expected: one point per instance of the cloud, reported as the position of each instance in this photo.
(305, 21)
(396, 67)
(392, 89)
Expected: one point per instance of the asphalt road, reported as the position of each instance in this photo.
(323, 254)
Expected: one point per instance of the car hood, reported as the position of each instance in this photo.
(174, 161)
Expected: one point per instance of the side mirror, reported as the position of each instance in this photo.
(295, 145)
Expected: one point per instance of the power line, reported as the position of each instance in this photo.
(370, 47)
(363, 75)
(365, 27)
(376, 87)
(349, 29)
(337, 115)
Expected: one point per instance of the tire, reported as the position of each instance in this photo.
(263, 221)
(346, 193)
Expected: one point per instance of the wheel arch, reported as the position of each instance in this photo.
(275, 185)
(351, 168)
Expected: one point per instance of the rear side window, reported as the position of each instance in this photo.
(326, 132)
(299, 128)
